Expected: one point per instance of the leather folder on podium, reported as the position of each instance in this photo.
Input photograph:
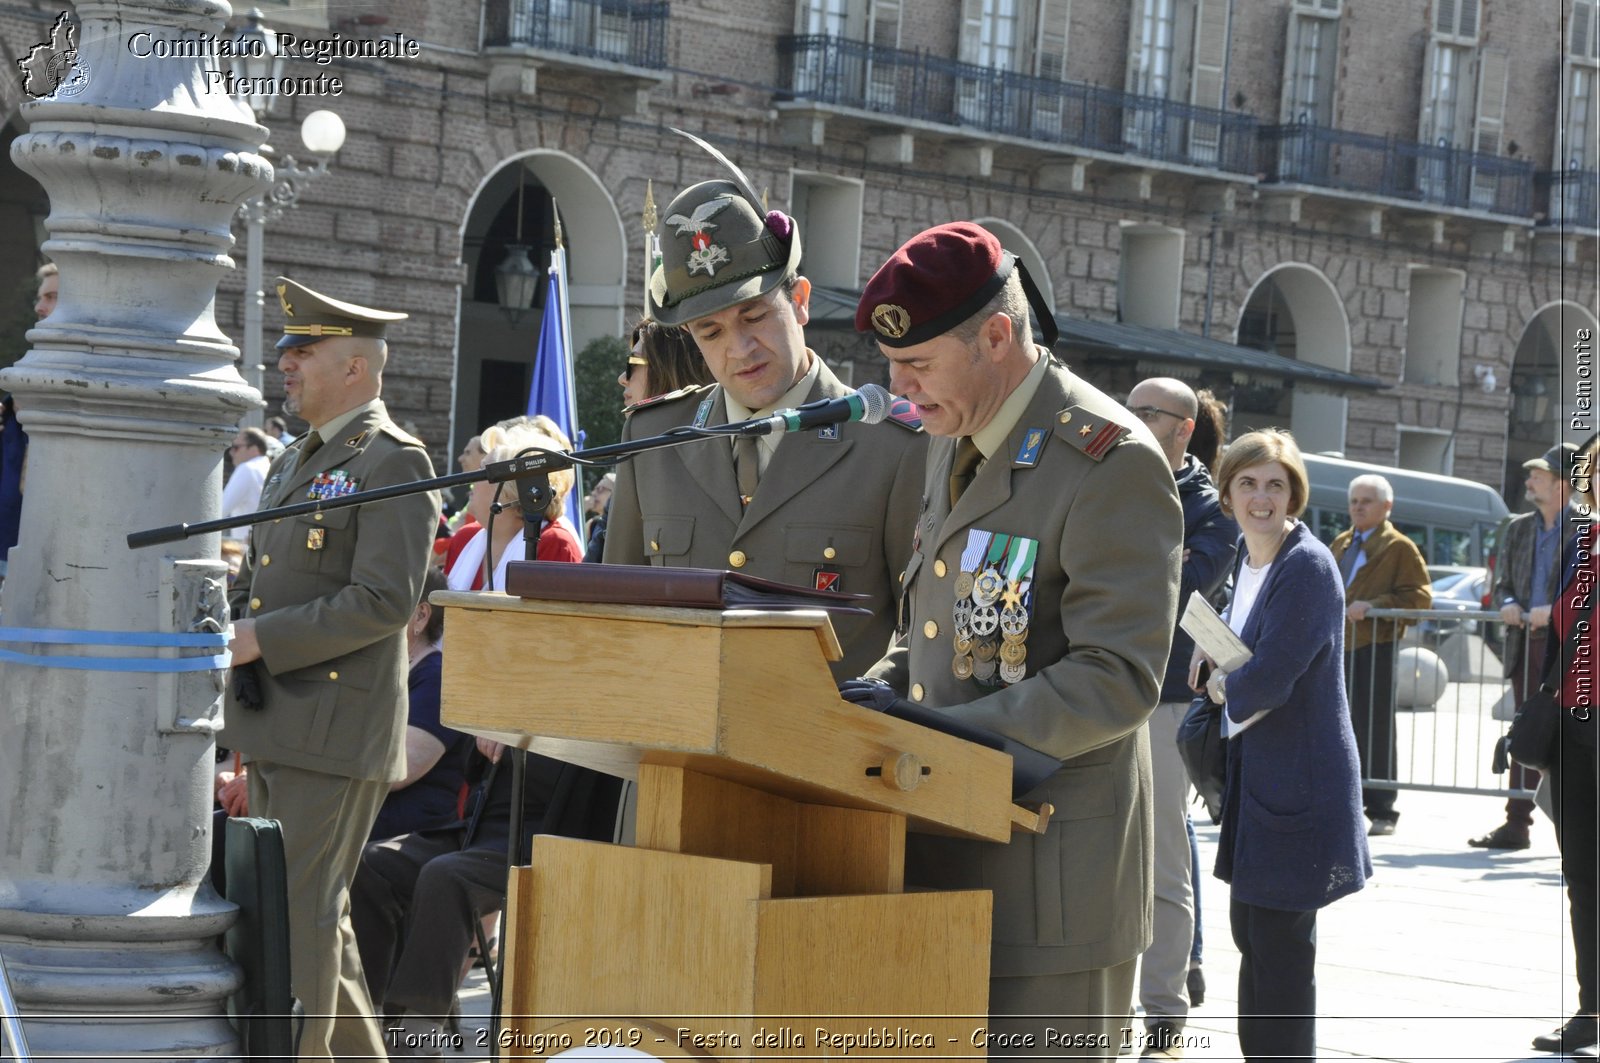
(761, 905)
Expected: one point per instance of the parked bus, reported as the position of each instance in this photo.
(1453, 522)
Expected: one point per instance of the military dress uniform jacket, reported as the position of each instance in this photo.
(1394, 576)
(1100, 500)
(331, 593)
(832, 508)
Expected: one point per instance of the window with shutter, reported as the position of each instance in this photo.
(1051, 19)
(1489, 127)
(1310, 67)
(1207, 86)
(971, 92)
(816, 18)
(883, 32)
(1152, 34)
(1583, 34)
(1456, 20)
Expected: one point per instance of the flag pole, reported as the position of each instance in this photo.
(558, 261)
(651, 253)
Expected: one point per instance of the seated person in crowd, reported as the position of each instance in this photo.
(471, 557)
(436, 756)
(415, 898)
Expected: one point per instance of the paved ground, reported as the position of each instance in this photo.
(1450, 953)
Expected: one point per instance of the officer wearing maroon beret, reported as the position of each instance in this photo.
(829, 508)
(1040, 601)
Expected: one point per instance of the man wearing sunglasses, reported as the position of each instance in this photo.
(242, 493)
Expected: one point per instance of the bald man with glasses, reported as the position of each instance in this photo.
(1210, 537)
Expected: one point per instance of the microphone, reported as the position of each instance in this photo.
(869, 404)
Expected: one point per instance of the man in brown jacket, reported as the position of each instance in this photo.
(322, 602)
(1040, 601)
(1382, 569)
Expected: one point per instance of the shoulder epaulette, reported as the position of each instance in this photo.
(904, 413)
(395, 432)
(1088, 432)
(670, 396)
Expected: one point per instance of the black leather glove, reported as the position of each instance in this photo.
(872, 694)
(247, 686)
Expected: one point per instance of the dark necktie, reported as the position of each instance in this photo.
(747, 465)
(308, 448)
(968, 458)
(1352, 553)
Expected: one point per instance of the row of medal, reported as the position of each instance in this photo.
(332, 484)
(992, 608)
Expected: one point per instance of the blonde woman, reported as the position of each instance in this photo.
(481, 562)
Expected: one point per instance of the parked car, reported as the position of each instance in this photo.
(1464, 588)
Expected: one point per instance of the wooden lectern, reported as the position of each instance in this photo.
(760, 912)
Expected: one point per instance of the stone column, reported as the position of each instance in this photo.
(128, 394)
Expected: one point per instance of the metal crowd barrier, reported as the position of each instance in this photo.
(1446, 704)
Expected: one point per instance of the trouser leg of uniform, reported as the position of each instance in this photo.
(325, 821)
(1277, 982)
(1164, 967)
(381, 899)
(1081, 1015)
(439, 936)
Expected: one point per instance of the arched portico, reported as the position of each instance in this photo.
(1294, 311)
(1013, 240)
(494, 355)
(1552, 387)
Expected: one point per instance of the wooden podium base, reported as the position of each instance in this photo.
(673, 954)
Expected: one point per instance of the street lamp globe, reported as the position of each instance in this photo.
(322, 132)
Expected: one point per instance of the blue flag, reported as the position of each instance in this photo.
(552, 393)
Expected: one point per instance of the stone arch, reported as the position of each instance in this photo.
(1014, 240)
(489, 347)
(1552, 386)
(1294, 309)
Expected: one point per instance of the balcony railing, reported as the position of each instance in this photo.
(633, 32)
(916, 85)
(1399, 169)
(1569, 198)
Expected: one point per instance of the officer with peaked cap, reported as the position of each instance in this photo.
(318, 698)
(829, 508)
(1041, 596)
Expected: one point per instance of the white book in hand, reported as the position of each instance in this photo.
(1212, 634)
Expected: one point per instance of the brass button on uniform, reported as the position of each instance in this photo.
(333, 675)
(255, 603)
(737, 559)
(939, 568)
(1066, 416)
(917, 692)
(316, 516)
(931, 629)
(654, 545)
(830, 553)
(266, 559)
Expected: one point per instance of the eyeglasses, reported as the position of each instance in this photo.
(1147, 414)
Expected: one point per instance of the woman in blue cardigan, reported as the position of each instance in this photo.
(1292, 838)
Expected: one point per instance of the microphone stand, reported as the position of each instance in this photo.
(529, 470)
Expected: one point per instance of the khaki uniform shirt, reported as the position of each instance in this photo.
(833, 508)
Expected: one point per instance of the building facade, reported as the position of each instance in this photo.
(1389, 204)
